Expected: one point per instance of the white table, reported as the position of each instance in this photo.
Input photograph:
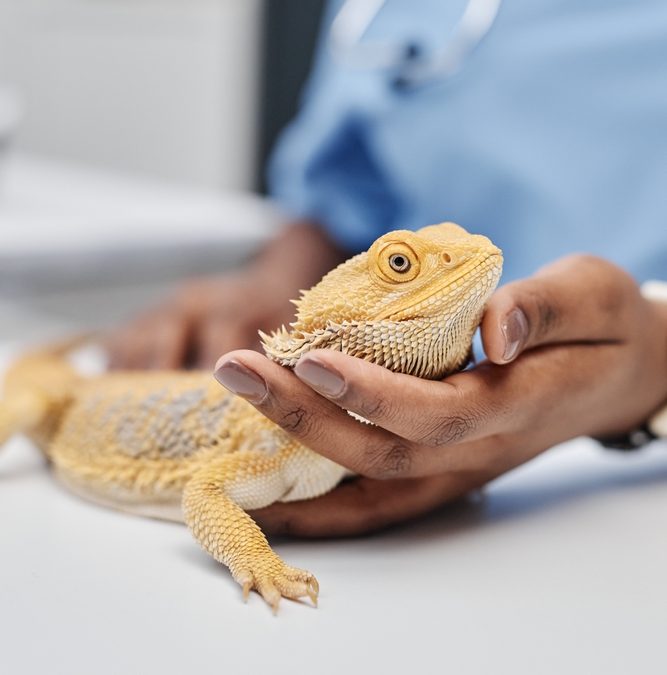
(562, 568)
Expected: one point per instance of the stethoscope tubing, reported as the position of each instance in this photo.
(346, 41)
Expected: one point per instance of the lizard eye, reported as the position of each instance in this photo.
(399, 263)
(396, 262)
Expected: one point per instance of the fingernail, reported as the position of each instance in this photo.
(242, 381)
(515, 332)
(321, 378)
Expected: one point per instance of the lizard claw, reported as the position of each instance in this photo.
(270, 593)
(278, 582)
(313, 590)
(245, 578)
(247, 585)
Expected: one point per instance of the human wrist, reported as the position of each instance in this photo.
(655, 424)
(656, 293)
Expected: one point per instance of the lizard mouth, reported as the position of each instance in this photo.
(492, 263)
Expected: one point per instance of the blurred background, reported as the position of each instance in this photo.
(133, 140)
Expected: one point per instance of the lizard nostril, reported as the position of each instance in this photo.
(447, 258)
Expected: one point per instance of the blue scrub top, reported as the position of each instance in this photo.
(551, 139)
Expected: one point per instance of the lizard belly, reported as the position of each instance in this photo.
(123, 499)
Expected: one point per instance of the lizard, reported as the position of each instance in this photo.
(175, 445)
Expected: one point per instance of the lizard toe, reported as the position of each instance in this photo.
(269, 592)
(295, 583)
(279, 581)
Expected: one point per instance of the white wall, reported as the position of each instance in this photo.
(162, 87)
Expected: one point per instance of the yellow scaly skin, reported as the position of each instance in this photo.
(175, 445)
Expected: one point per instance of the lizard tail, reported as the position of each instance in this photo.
(37, 389)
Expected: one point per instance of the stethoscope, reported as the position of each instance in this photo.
(405, 62)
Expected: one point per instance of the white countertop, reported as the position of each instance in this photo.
(561, 568)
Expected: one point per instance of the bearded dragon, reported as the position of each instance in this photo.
(175, 445)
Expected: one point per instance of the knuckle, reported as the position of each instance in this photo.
(378, 408)
(547, 318)
(184, 294)
(301, 423)
(542, 313)
(295, 421)
(447, 430)
(389, 461)
(613, 287)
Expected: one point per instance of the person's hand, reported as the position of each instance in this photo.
(199, 320)
(574, 350)
(212, 315)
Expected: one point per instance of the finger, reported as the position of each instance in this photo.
(578, 298)
(130, 348)
(114, 345)
(429, 413)
(155, 342)
(218, 335)
(364, 505)
(168, 344)
(317, 423)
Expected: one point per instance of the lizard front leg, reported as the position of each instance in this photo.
(212, 506)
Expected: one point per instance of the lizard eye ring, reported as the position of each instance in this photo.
(396, 262)
(399, 263)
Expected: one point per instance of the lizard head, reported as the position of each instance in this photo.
(411, 303)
